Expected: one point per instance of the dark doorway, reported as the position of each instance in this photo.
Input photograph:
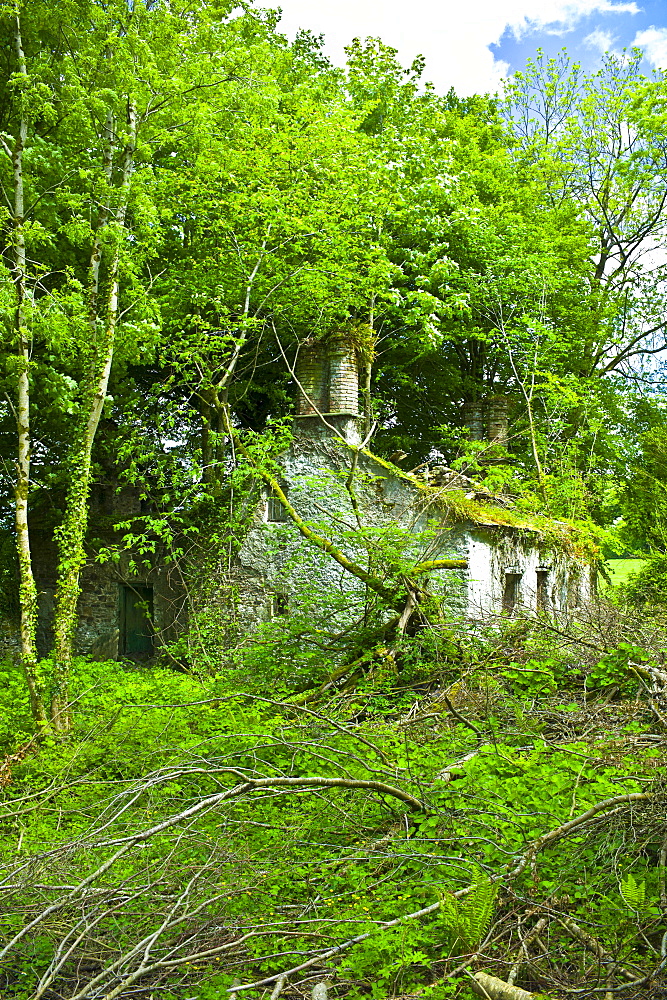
(135, 639)
(511, 592)
(543, 590)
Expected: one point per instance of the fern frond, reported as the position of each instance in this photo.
(467, 920)
(633, 892)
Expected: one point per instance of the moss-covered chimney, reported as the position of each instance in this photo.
(498, 420)
(327, 378)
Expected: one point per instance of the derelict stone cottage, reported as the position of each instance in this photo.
(512, 560)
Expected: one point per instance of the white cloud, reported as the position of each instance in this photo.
(560, 16)
(654, 43)
(601, 40)
(453, 35)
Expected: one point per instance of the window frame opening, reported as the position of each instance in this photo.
(275, 512)
(511, 590)
(574, 583)
(542, 599)
(279, 605)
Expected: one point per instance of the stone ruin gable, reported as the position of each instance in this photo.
(275, 559)
(546, 576)
(10, 640)
(102, 584)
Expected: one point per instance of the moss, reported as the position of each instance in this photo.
(579, 538)
(394, 469)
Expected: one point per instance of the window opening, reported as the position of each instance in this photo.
(103, 497)
(542, 589)
(279, 605)
(594, 582)
(511, 591)
(276, 513)
(135, 625)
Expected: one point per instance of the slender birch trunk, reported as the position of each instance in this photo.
(28, 589)
(72, 532)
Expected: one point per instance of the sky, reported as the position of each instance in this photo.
(471, 45)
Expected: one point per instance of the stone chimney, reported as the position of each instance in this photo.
(343, 378)
(498, 420)
(488, 420)
(328, 383)
(310, 371)
(473, 419)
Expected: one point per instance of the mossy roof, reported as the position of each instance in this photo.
(580, 538)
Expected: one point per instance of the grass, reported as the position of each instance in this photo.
(621, 569)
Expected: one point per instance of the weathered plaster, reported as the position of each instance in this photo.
(419, 522)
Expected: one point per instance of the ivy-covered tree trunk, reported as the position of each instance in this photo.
(72, 532)
(28, 589)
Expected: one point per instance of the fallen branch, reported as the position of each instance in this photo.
(562, 831)
(491, 988)
(548, 838)
(337, 949)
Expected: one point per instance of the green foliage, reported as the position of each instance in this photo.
(644, 495)
(346, 861)
(467, 920)
(633, 892)
(648, 587)
(16, 724)
(535, 676)
(615, 667)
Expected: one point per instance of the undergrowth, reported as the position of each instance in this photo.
(233, 869)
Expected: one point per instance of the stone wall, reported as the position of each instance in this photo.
(276, 564)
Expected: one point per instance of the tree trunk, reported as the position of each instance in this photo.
(72, 532)
(366, 398)
(207, 457)
(28, 589)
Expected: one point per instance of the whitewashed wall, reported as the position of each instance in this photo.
(274, 558)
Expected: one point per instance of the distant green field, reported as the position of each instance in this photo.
(620, 569)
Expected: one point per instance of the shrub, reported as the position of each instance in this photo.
(648, 586)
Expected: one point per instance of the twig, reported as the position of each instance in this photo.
(523, 949)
